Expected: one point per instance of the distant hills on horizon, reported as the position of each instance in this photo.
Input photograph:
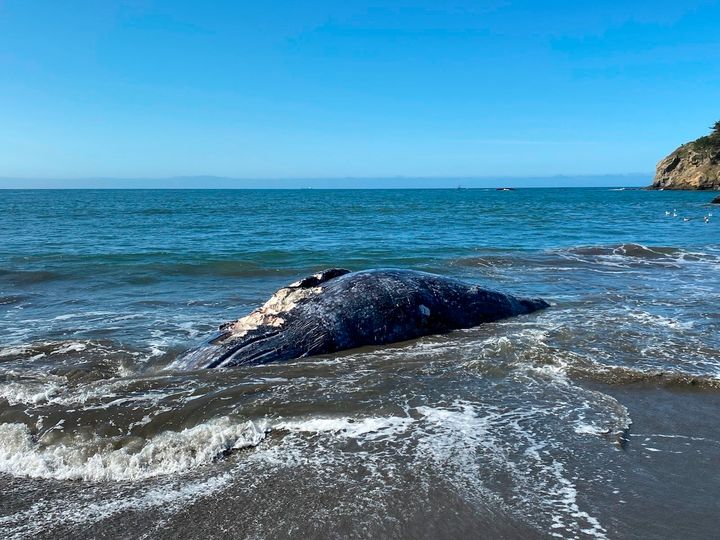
(393, 182)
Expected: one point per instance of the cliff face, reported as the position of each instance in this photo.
(694, 165)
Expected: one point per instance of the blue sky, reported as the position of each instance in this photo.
(142, 88)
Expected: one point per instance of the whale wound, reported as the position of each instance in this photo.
(285, 299)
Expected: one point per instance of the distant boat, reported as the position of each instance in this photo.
(460, 187)
(504, 189)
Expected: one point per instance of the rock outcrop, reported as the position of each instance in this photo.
(695, 165)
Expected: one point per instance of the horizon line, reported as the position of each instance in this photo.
(462, 188)
(324, 178)
(630, 180)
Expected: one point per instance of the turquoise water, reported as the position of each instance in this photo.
(572, 421)
(119, 250)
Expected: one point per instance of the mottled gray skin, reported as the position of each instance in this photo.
(353, 309)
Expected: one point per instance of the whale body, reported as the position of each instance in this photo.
(337, 309)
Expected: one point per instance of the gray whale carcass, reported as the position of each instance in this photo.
(337, 309)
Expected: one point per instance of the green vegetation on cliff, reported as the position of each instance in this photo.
(709, 143)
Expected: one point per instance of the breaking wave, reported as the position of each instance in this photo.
(91, 458)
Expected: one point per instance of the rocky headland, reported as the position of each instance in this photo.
(695, 165)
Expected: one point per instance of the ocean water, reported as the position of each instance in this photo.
(596, 418)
